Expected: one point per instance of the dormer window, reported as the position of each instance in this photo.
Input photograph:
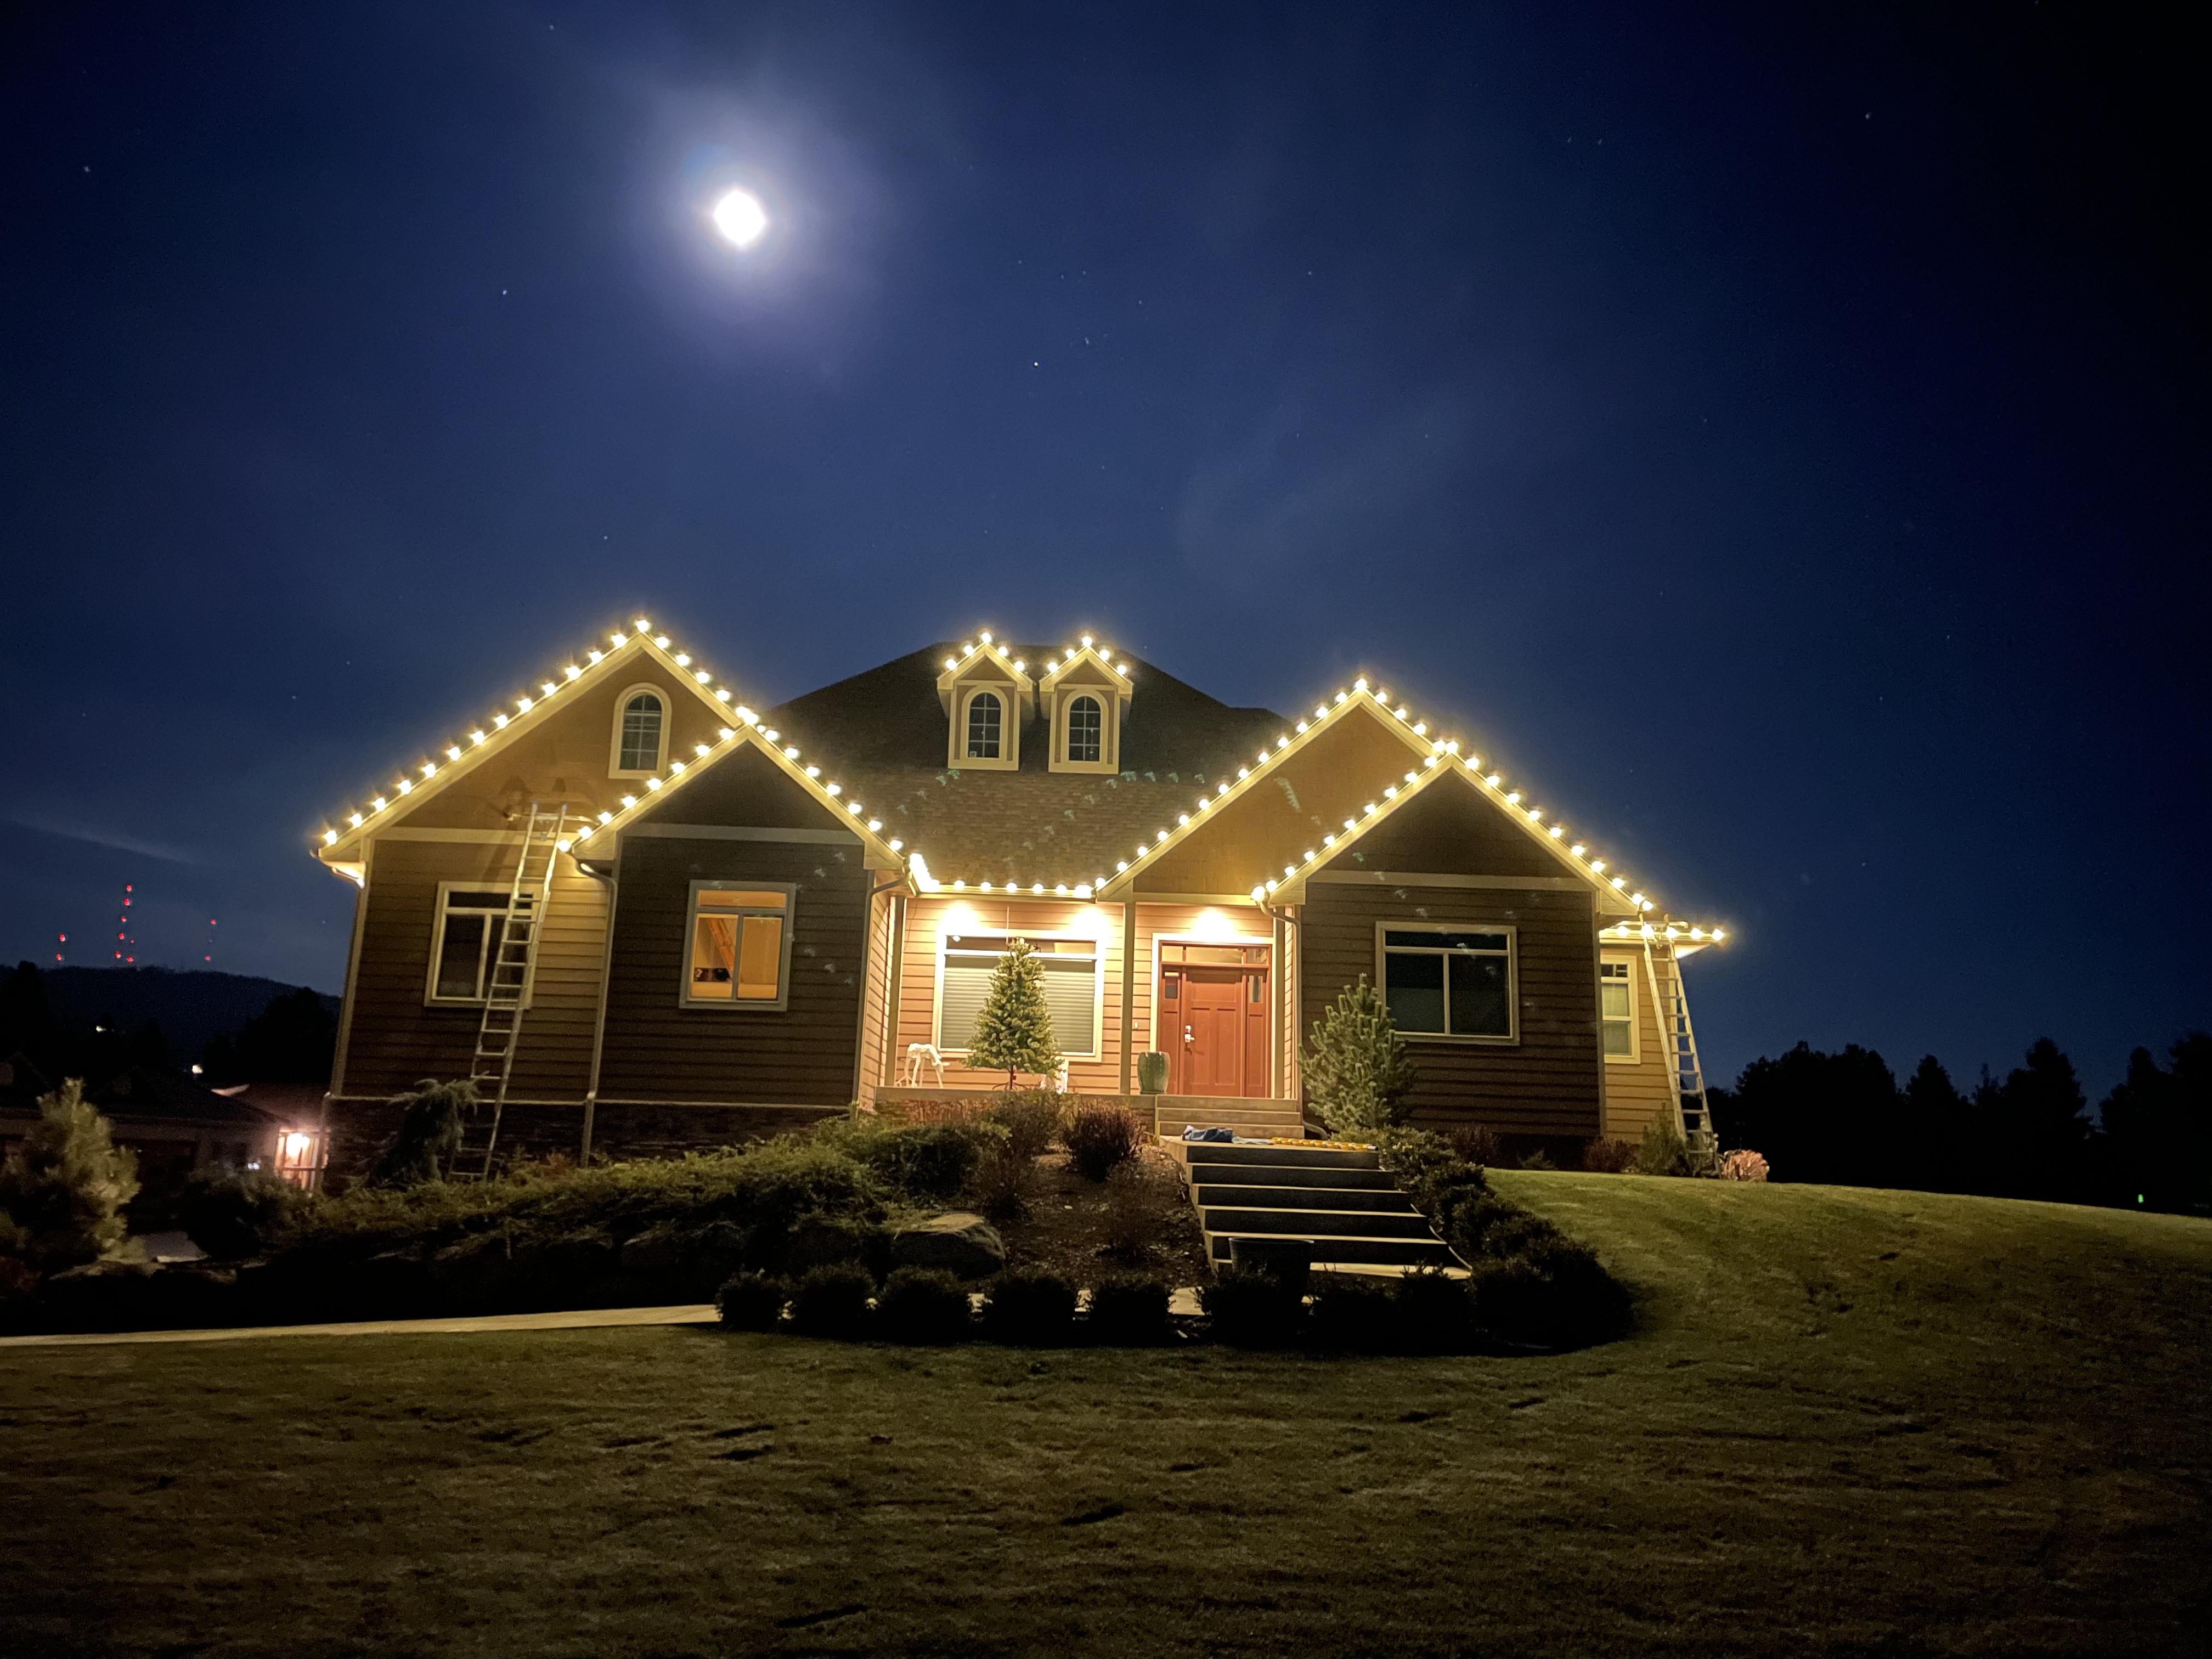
(985, 717)
(641, 737)
(1087, 729)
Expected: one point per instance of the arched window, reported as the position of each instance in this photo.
(984, 713)
(638, 742)
(1087, 728)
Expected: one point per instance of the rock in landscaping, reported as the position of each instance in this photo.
(821, 1241)
(961, 1244)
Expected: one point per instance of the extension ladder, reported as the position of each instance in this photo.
(509, 972)
(1682, 1049)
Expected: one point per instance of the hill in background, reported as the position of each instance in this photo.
(193, 1008)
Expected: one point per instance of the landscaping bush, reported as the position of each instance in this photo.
(428, 1134)
(1664, 1150)
(1000, 1186)
(1478, 1144)
(64, 1187)
(831, 1301)
(1030, 1307)
(1128, 1219)
(1550, 1293)
(1356, 1068)
(1742, 1165)
(922, 1305)
(1030, 1119)
(235, 1213)
(1431, 1312)
(1608, 1155)
(1101, 1138)
(1351, 1313)
(930, 1161)
(752, 1302)
(1129, 1310)
(1251, 1309)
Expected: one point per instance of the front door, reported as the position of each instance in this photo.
(1218, 1017)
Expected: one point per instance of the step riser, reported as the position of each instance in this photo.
(1302, 1198)
(1382, 1252)
(1292, 1178)
(1312, 1223)
(1202, 1152)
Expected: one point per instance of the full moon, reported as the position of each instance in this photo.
(740, 218)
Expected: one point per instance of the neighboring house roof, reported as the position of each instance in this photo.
(290, 1102)
(141, 1094)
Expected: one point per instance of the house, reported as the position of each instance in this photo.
(173, 1124)
(648, 916)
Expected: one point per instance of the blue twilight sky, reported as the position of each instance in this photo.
(1776, 434)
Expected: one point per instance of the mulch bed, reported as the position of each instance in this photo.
(1065, 1227)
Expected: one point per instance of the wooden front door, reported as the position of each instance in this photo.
(1218, 1017)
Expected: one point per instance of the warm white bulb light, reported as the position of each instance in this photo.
(741, 218)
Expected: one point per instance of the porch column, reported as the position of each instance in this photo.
(1279, 1036)
(887, 1070)
(1129, 988)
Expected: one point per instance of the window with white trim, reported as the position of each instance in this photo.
(1087, 729)
(738, 934)
(1072, 987)
(641, 733)
(985, 720)
(1616, 1009)
(1447, 982)
(465, 941)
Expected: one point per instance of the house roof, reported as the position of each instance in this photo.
(868, 748)
(142, 1094)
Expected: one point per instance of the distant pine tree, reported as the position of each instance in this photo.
(2158, 1129)
(1014, 1031)
(65, 1186)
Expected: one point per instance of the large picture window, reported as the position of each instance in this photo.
(1447, 982)
(1071, 989)
(740, 945)
(1616, 1008)
(465, 941)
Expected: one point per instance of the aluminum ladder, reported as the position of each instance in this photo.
(509, 974)
(1681, 1041)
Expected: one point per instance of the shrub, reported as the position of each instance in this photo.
(752, 1302)
(1430, 1311)
(1356, 1065)
(1129, 1310)
(1100, 1138)
(1664, 1150)
(1478, 1144)
(1030, 1306)
(64, 1185)
(1608, 1155)
(235, 1213)
(1251, 1309)
(1351, 1312)
(1551, 1293)
(930, 1161)
(1001, 1185)
(1030, 1119)
(428, 1134)
(1129, 1224)
(832, 1300)
(1742, 1165)
(922, 1304)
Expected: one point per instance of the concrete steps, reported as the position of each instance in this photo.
(1343, 1203)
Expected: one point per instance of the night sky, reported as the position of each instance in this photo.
(1777, 440)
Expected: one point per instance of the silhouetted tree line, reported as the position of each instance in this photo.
(293, 1040)
(1843, 1119)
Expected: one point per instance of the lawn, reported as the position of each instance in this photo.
(1850, 1422)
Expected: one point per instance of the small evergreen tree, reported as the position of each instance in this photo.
(1356, 1068)
(63, 1188)
(428, 1134)
(1014, 1031)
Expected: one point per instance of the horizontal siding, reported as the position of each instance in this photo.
(1547, 1083)
(1635, 1095)
(800, 1055)
(395, 1038)
(927, 920)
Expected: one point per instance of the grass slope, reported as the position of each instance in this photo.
(1851, 1422)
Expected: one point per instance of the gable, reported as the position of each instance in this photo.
(1303, 796)
(1448, 829)
(744, 790)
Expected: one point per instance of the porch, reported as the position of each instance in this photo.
(1251, 1117)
